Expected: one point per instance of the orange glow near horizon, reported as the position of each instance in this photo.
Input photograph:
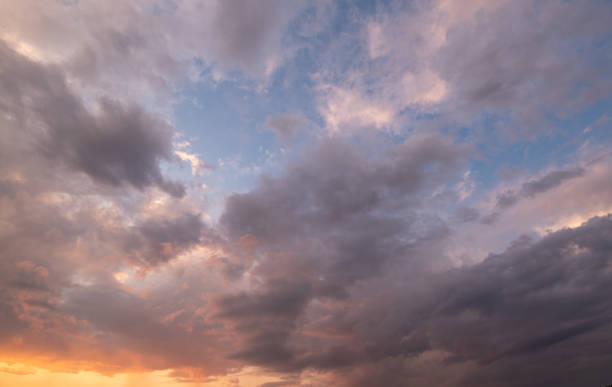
(24, 375)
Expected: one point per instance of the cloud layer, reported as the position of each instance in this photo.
(432, 207)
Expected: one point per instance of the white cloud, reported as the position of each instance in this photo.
(197, 166)
(344, 108)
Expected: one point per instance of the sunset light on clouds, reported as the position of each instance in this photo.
(305, 193)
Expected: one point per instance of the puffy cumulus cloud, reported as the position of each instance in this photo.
(329, 223)
(115, 144)
(158, 239)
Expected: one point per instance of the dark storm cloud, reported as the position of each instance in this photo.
(117, 145)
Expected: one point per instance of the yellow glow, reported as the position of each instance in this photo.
(197, 166)
(571, 221)
(121, 276)
(23, 48)
(18, 374)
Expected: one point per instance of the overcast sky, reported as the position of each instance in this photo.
(295, 193)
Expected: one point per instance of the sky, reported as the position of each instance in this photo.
(305, 193)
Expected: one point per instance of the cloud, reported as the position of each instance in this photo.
(365, 299)
(139, 50)
(457, 62)
(520, 58)
(197, 165)
(116, 145)
(158, 240)
(550, 180)
(347, 108)
(328, 224)
(536, 186)
(461, 328)
(246, 30)
(362, 262)
(342, 271)
(285, 125)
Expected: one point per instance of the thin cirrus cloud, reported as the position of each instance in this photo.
(374, 239)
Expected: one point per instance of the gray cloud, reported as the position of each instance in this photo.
(143, 51)
(549, 181)
(266, 320)
(509, 68)
(329, 223)
(285, 125)
(536, 186)
(523, 57)
(244, 29)
(337, 266)
(347, 277)
(537, 307)
(365, 249)
(56, 274)
(159, 239)
(117, 145)
(68, 221)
